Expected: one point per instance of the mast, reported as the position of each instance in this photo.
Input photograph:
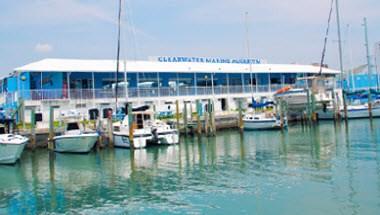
(118, 55)
(249, 54)
(369, 66)
(351, 75)
(377, 48)
(341, 58)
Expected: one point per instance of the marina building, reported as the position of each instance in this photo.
(90, 84)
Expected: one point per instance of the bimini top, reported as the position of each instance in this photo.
(76, 65)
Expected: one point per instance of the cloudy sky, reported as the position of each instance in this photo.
(290, 31)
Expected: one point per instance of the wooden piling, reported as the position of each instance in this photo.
(191, 111)
(99, 129)
(110, 129)
(369, 103)
(185, 117)
(32, 129)
(209, 123)
(313, 108)
(199, 112)
(212, 119)
(130, 125)
(206, 121)
(22, 112)
(177, 113)
(345, 105)
(51, 129)
(308, 106)
(241, 123)
(281, 113)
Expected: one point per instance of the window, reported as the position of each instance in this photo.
(168, 79)
(235, 79)
(275, 79)
(204, 80)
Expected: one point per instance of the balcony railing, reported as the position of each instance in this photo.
(85, 94)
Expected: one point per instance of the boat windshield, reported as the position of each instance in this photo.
(72, 126)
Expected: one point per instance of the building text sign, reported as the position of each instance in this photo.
(173, 59)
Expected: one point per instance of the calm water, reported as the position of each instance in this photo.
(326, 169)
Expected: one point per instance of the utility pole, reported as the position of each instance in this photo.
(369, 67)
(340, 57)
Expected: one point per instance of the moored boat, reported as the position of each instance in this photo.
(75, 138)
(142, 133)
(263, 121)
(359, 111)
(11, 147)
(164, 133)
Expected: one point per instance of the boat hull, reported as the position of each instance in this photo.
(351, 114)
(75, 143)
(169, 138)
(122, 141)
(10, 153)
(261, 125)
(362, 113)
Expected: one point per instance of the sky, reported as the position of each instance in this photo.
(290, 31)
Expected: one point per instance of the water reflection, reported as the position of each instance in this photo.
(327, 161)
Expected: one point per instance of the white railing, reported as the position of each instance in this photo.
(84, 94)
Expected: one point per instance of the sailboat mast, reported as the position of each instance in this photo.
(249, 53)
(339, 42)
(341, 59)
(369, 66)
(118, 55)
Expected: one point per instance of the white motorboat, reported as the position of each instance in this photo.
(361, 111)
(263, 121)
(75, 139)
(11, 147)
(164, 133)
(353, 112)
(142, 133)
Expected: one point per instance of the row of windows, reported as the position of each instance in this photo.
(80, 80)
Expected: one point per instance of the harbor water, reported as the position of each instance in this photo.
(324, 169)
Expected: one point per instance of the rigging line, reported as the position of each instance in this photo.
(118, 54)
(326, 37)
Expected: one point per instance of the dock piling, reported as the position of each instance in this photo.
(199, 112)
(212, 119)
(241, 123)
(185, 117)
(130, 125)
(177, 113)
(33, 129)
(206, 121)
(51, 128)
(110, 129)
(99, 128)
